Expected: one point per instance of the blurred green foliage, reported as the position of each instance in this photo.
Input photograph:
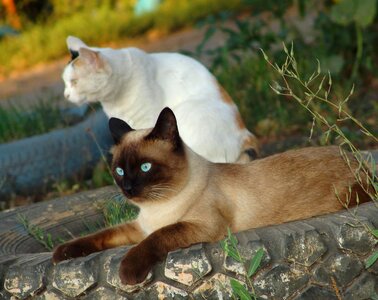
(96, 22)
(18, 122)
(241, 69)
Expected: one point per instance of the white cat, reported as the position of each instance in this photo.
(135, 86)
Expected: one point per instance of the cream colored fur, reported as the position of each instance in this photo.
(293, 185)
(135, 86)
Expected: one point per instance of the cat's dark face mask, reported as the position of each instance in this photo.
(148, 166)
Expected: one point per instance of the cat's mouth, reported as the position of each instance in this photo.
(79, 101)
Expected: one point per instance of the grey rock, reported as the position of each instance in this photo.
(280, 282)
(365, 287)
(104, 293)
(112, 260)
(304, 247)
(5, 261)
(161, 290)
(188, 265)
(73, 277)
(4, 295)
(49, 295)
(217, 287)
(355, 238)
(317, 293)
(25, 278)
(247, 253)
(342, 267)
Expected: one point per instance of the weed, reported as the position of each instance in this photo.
(314, 92)
(39, 234)
(230, 247)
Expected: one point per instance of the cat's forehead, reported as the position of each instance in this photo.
(135, 145)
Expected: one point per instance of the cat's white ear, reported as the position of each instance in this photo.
(118, 128)
(94, 59)
(74, 43)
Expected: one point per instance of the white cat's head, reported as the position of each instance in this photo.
(87, 75)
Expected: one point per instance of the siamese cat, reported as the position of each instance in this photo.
(135, 86)
(185, 199)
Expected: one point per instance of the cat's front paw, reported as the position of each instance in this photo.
(72, 249)
(134, 267)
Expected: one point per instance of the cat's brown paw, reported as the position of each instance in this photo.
(72, 249)
(134, 267)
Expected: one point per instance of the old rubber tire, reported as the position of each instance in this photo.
(317, 258)
(29, 166)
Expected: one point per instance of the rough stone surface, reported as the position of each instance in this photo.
(26, 278)
(342, 267)
(304, 248)
(365, 287)
(317, 293)
(217, 287)
(49, 295)
(103, 293)
(355, 238)
(187, 266)
(73, 277)
(4, 295)
(111, 266)
(280, 282)
(247, 253)
(161, 290)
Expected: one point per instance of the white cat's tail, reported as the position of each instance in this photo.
(250, 148)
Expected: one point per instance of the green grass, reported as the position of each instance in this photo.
(17, 122)
(98, 25)
(118, 210)
(115, 211)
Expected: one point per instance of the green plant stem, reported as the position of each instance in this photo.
(360, 44)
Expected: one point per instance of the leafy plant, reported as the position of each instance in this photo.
(230, 247)
(39, 234)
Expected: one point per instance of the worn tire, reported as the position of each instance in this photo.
(317, 258)
(29, 166)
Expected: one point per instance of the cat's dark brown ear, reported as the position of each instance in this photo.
(118, 128)
(166, 128)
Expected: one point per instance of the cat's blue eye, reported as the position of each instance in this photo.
(120, 171)
(145, 167)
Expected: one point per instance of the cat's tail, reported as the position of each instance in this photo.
(250, 148)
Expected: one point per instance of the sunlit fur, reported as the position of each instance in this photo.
(185, 199)
(135, 86)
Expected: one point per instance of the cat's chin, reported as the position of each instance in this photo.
(79, 102)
